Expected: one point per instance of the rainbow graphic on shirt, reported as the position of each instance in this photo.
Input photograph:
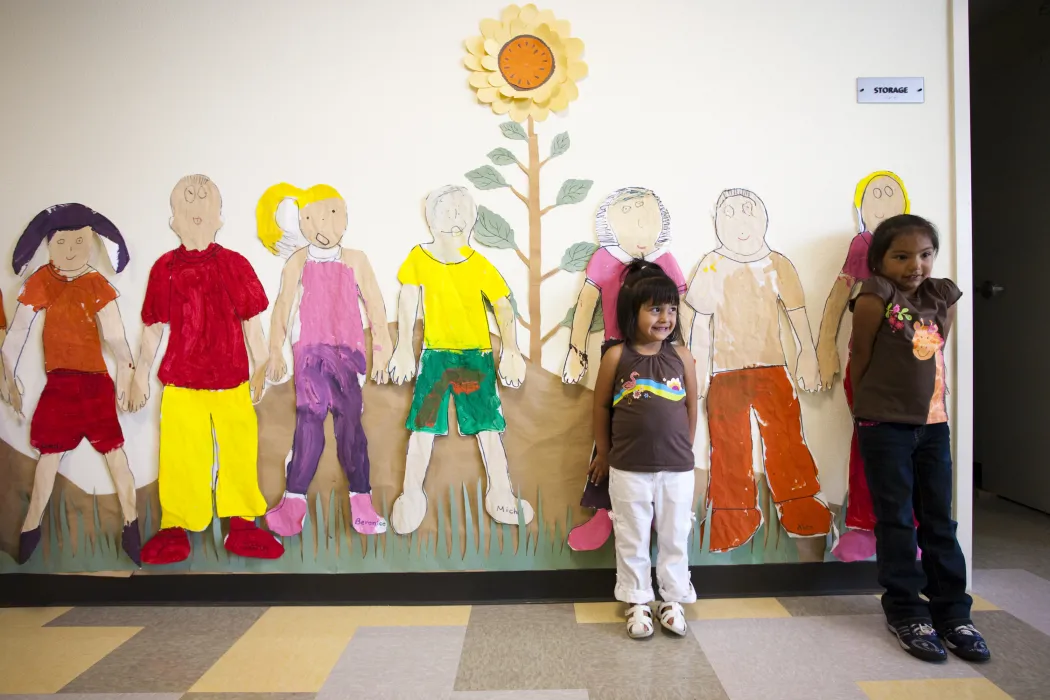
(670, 389)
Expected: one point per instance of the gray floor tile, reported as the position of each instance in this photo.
(820, 606)
(1018, 592)
(98, 696)
(1010, 536)
(247, 696)
(419, 661)
(519, 695)
(1020, 662)
(191, 620)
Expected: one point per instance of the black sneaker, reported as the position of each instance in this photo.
(967, 643)
(920, 640)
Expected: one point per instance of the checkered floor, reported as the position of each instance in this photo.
(761, 649)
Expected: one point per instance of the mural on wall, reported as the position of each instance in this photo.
(80, 399)
(320, 287)
(631, 223)
(877, 197)
(737, 293)
(526, 65)
(451, 282)
(210, 298)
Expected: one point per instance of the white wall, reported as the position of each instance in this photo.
(112, 102)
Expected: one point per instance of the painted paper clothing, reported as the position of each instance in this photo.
(454, 298)
(71, 334)
(467, 377)
(3, 316)
(328, 310)
(75, 406)
(856, 265)
(605, 271)
(205, 296)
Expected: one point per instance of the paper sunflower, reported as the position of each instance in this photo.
(525, 64)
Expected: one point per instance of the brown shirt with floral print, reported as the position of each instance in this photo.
(905, 381)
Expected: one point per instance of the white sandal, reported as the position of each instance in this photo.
(672, 617)
(639, 622)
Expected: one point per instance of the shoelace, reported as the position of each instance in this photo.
(923, 629)
(966, 629)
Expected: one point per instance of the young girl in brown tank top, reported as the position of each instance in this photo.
(645, 407)
(901, 319)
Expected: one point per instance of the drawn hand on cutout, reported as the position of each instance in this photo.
(380, 365)
(10, 391)
(258, 385)
(829, 368)
(139, 392)
(125, 378)
(574, 367)
(808, 374)
(512, 369)
(402, 365)
(276, 367)
(599, 470)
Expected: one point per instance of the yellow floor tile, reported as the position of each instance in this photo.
(293, 649)
(590, 613)
(43, 660)
(942, 689)
(18, 618)
(982, 605)
(735, 608)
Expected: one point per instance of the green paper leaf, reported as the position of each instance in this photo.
(502, 156)
(493, 231)
(597, 321)
(486, 178)
(576, 256)
(573, 191)
(513, 130)
(559, 144)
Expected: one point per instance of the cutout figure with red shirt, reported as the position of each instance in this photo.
(211, 299)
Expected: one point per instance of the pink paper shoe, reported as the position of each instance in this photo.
(287, 518)
(592, 534)
(363, 515)
(855, 545)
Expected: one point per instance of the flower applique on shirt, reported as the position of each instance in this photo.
(897, 316)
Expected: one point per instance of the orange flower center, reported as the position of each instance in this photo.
(526, 62)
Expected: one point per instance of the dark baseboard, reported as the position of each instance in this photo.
(454, 587)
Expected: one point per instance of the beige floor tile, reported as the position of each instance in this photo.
(44, 659)
(592, 613)
(18, 618)
(982, 605)
(735, 608)
(939, 689)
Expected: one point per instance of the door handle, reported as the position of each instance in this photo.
(989, 289)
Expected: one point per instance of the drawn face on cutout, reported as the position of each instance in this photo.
(637, 224)
(926, 342)
(740, 224)
(70, 251)
(323, 223)
(453, 217)
(196, 207)
(882, 199)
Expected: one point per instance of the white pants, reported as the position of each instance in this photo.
(635, 496)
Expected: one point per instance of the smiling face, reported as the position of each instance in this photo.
(655, 322)
(740, 224)
(323, 223)
(70, 251)
(196, 209)
(882, 199)
(908, 261)
(453, 217)
(636, 223)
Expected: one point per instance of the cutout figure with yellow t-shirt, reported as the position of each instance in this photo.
(453, 281)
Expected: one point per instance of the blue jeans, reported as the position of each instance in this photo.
(910, 467)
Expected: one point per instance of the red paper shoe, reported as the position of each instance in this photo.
(247, 540)
(169, 546)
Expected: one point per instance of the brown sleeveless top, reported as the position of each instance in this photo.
(650, 419)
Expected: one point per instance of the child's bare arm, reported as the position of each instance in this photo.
(603, 395)
(868, 313)
(691, 398)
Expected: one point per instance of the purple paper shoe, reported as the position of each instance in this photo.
(27, 544)
(131, 541)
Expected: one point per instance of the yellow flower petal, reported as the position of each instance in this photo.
(502, 105)
(496, 80)
(472, 62)
(545, 17)
(479, 79)
(503, 34)
(517, 28)
(488, 95)
(489, 27)
(539, 113)
(509, 91)
(490, 63)
(563, 28)
(544, 33)
(565, 95)
(519, 111)
(511, 12)
(573, 47)
(543, 92)
(577, 70)
(475, 45)
(528, 14)
(492, 48)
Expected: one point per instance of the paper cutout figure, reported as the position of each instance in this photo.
(877, 197)
(454, 281)
(320, 287)
(79, 399)
(211, 299)
(527, 65)
(631, 223)
(737, 292)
